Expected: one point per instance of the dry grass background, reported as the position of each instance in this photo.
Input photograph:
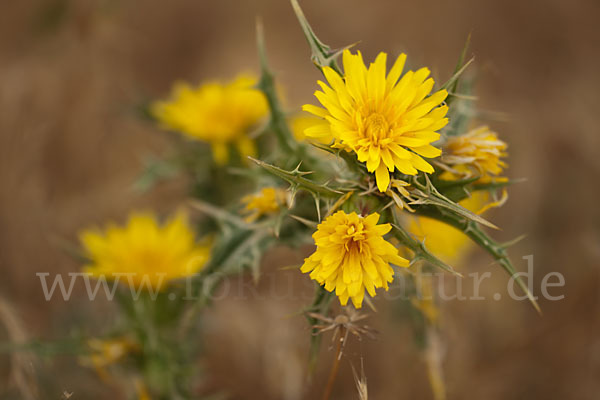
(72, 73)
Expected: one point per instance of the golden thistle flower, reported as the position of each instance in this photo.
(352, 256)
(477, 151)
(388, 121)
(267, 201)
(220, 114)
(147, 253)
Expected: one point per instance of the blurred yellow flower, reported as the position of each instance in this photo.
(388, 121)
(217, 113)
(266, 201)
(478, 151)
(147, 253)
(352, 256)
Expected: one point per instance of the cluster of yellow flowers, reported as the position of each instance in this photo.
(401, 181)
(388, 119)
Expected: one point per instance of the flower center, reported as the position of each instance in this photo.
(376, 127)
(355, 235)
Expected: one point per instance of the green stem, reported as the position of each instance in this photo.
(267, 86)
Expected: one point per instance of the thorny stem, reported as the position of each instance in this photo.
(474, 232)
(267, 86)
(336, 364)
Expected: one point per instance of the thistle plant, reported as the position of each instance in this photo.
(389, 176)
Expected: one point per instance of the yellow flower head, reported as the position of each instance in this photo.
(220, 114)
(479, 150)
(148, 254)
(352, 256)
(267, 201)
(388, 121)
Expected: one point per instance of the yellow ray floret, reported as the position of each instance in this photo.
(300, 122)
(217, 113)
(388, 120)
(147, 253)
(352, 256)
(267, 201)
(479, 151)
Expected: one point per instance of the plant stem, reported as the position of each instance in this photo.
(336, 364)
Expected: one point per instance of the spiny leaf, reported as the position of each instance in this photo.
(512, 242)
(429, 195)
(508, 267)
(473, 231)
(454, 78)
(419, 248)
(461, 60)
(434, 200)
(324, 147)
(452, 84)
(339, 202)
(296, 179)
(322, 55)
(308, 223)
(462, 111)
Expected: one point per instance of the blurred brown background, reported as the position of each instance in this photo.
(72, 73)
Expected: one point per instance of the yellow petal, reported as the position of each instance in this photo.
(382, 176)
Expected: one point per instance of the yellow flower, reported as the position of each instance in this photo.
(444, 241)
(220, 114)
(267, 201)
(477, 151)
(352, 256)
(388, 121)
(147, 253)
